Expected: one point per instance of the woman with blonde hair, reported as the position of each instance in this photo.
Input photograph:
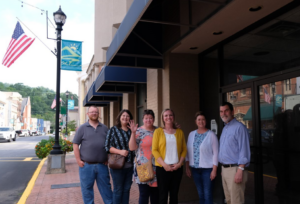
(169, 150)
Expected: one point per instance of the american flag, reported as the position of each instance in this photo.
(18, 44)
(239, 77)
(54, 102)
(267, 96)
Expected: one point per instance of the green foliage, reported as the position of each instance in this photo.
(41, 99)
(44, 147)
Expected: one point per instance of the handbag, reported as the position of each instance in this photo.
(145, 171)
(116, 161)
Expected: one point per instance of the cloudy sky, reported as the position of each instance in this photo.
(37, 66)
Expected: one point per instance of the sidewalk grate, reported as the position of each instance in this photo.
(67, 185)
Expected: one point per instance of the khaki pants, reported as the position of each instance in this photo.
(234, 193)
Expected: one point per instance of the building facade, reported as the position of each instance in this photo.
(26, 114)
(192, 55)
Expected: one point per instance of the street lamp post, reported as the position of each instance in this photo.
(67, 95)
(273, 90)
(60, 19)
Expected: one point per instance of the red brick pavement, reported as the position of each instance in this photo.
(43, 194)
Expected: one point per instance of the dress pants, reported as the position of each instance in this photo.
(168, 182)
(234, 193)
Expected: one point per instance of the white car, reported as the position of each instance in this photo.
(7, 134)
(24, 133)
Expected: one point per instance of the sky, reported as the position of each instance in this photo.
(37, 65)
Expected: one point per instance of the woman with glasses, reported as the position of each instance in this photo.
(202, 158)
(117, 140)
(169, 150)
(141, 142)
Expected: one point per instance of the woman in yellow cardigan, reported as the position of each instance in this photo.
(169, 150)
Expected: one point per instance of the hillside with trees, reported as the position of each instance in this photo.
(41, 99)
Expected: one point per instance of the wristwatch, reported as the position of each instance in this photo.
(241, 168)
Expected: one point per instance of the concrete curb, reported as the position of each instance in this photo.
(31, 183)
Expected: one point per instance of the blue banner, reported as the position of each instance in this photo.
(71, 104)
(71, 55)
(278, 100)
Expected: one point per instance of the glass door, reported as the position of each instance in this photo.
(279, 104)
(242, 103)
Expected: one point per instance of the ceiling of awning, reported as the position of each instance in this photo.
(87, 103)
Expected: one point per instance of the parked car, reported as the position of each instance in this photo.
(43, 133)
(24, 132)
(7, 134)
(34, 132)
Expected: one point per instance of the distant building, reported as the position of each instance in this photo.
(10, 109)
(26, 113)
(73, 115)
(47, 125)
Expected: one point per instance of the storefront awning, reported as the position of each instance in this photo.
(94, 96)
(137, 51)
(86, 103)
(119, 79)
(154, 27)
(266, 112)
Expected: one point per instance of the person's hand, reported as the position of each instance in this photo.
(178, 126)
(175, 166)
(124, 153)
(80, 163)
(188, 171)
(238, 178)
(167, 167)
(213, 175)
(132, 126)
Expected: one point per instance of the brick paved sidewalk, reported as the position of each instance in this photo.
(43, 194)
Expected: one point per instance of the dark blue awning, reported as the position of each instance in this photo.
(86, 103)
(152, 28)
(94, 96)
(119, 79)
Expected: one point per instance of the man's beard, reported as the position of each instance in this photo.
(93, 119)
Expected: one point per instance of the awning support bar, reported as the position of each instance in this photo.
(167, 23)
(147, 43)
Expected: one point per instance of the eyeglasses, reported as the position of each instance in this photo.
(93, 112)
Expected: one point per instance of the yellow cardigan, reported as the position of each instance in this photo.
(159, 144)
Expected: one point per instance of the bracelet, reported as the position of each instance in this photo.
(241, 168)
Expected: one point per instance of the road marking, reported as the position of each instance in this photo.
(31, 183)
(28, 159)
(18, 160)
(251, 172)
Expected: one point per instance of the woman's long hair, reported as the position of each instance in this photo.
(162, 117)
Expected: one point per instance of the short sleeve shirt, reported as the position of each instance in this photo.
(143, 154)
(91, 141)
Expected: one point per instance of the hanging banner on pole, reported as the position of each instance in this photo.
(71, 104)
(71, 55)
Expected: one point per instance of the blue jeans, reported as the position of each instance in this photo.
(88, 174)
(203, 183)
(122, 179)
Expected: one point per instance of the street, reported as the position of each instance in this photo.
(18, 163)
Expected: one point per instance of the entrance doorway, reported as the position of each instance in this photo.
(269, 107)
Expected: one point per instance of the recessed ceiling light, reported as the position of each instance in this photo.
(261, 53)
(253, 9)
(218, 33)
(193, 48)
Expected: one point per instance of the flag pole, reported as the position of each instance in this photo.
(35, 35)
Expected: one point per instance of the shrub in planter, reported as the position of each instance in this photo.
(43, 148)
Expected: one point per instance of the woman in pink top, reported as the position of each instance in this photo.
(141, 142)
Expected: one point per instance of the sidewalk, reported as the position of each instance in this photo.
(68, 191)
